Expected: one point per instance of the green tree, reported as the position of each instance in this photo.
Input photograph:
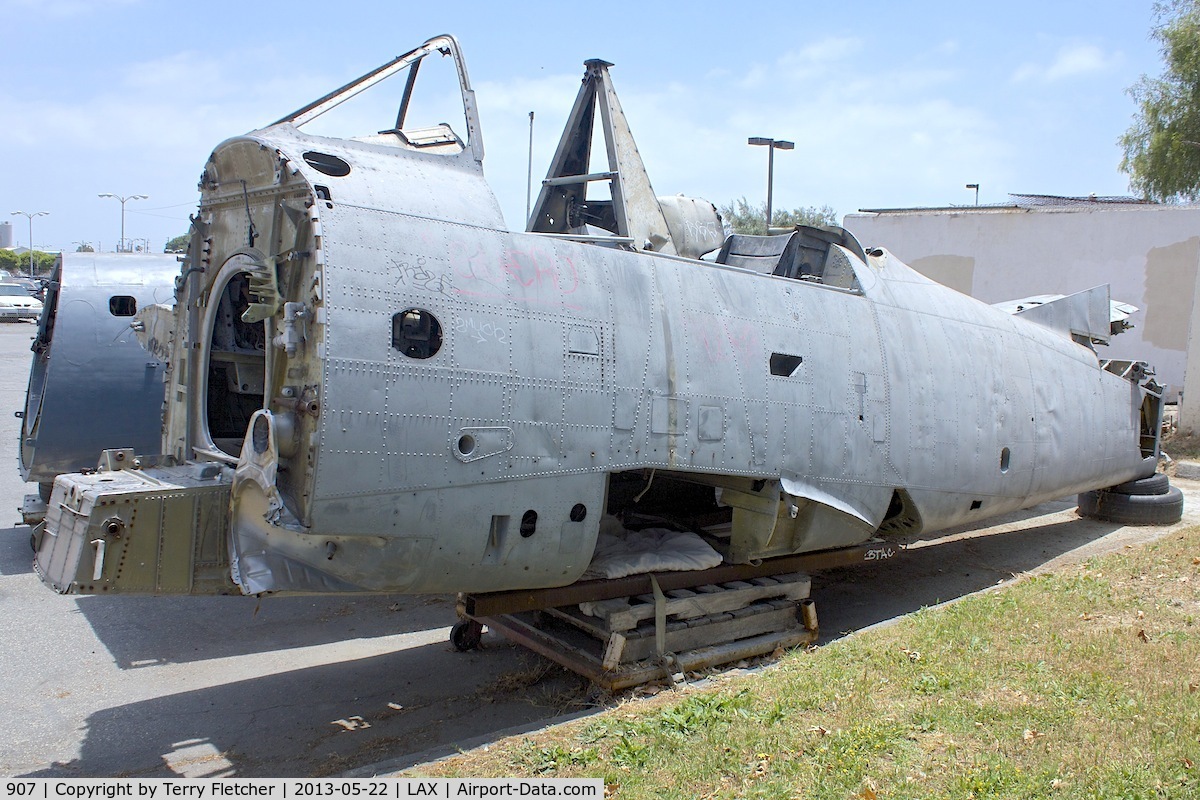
(18, 263)
(1162, 146)
(746, 218)
(178, 244)
(85, 247)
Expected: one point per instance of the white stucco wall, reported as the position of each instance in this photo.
(1149, 256)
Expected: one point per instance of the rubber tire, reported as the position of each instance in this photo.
(465, 635)
(1133, 509)
(1158, 483)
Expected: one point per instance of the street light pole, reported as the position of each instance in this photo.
(121, 243)
(30, 215)
(529, 174)
(974, 186)
(772, 145)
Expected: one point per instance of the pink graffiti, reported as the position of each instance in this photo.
(743, 338)
(735, 340)
(550, 277)
(473, 264)
(538, 268)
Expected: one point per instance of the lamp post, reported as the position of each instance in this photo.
(529, 174)
(974, 186)
(121, 243)
(772, 145)
(30, 215)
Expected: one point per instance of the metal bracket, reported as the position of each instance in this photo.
(98, 564)
(665, 659)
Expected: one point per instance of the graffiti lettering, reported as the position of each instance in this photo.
(481, 332)
(417, 276)
(879, 554)
(536, 268)
(160, 350)
(705, 234)
(536, 275)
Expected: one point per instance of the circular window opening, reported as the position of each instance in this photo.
(578, 512)
(528, 523)
(466, 445)
(327, 164)
(416, 333)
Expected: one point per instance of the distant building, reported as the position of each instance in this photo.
(6, 236)
(1148, 253)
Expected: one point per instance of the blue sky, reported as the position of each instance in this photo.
(890, 104)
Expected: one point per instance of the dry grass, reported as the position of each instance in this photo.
(1081, 683)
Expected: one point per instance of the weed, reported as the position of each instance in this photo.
(628, 753)
(532, 759)
(1081, 683)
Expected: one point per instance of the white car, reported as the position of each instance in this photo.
(16, 304)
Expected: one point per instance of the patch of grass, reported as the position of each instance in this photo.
(536, 760)
(1081, 683)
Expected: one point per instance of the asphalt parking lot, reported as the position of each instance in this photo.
(230, 686)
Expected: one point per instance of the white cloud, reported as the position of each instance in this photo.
(865, 134)
(823, 57)
(872, 127)
(823, 52)
(754, 77)
(149, 130)
(876, 137)
(1071, 61)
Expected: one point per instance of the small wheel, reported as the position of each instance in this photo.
(465, 635)
(1158, 483)
(1133, 509)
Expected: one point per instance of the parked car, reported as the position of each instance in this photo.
(16, 303)
(32, 286)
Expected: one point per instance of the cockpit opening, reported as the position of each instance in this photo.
(811, 254)
(435, 89)
(236, 367)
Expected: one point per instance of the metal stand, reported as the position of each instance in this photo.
(642, 628)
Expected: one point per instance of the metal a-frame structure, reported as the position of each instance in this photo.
(632, 217)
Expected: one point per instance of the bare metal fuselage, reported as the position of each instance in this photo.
(91, 384)
(422, 401)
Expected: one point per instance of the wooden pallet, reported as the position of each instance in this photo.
(626, 613)
(635, 640)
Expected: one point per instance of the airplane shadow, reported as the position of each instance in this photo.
(401, 706)
(16, 557)
(324, 720)
(141, 630)
(946, 566)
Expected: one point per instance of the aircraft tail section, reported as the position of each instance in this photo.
(1088, 317)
